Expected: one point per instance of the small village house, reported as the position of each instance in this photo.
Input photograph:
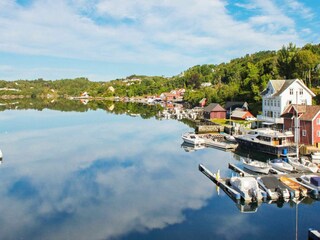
(214, 110)
(231, 106)
(308, 123)
(279, 94)
(240, 114)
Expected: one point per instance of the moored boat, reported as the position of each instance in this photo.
(192, 138)
(315, 157)
(230, 138)
(248, 188)
(301, 164)
(273, 187)
(281, 165)
(267, 141)
(311, 180)
(299, 190)
(257, 166)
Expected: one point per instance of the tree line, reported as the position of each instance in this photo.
(241, 79)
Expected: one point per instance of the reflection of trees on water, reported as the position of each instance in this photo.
(65, 105)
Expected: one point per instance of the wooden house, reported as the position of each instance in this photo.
(241, 114)
(214, 110)
(308, 122)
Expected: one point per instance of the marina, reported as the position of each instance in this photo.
(273, 186)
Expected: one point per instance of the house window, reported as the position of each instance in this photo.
(271, 102)
(291, 91)
(318, 121)
(300, 91)
(318, 133)
(304, 133)
(290, 129)
(265, 102)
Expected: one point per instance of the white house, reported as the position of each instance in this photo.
(281, 93)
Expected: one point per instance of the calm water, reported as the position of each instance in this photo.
(95, 175)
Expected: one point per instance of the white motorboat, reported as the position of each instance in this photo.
(248, 188)
(281, 165)
(315, 157)
(311, 180)
(273, 187)
(257, 166)
(302, 164)
(192, 138)
(230, 138)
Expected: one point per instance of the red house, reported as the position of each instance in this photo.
(214, 110)
(309, 121)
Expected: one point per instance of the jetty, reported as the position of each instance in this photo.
(271, 184)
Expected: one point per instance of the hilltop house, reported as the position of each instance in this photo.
(306, 120)
(279, 94)
(214, 110)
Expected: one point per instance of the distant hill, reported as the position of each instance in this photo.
(241, 79)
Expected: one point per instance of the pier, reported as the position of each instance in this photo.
(270, 184)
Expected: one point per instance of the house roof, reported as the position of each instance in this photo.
(239, 113)
(214, 107)
(280, 86)
(234, 105)
(306, 112)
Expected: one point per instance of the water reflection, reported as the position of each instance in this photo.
(94, 181)
(93, 175)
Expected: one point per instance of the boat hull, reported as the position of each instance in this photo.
(258, 169)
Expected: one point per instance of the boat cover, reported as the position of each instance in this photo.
(315, 181)
(272, 182)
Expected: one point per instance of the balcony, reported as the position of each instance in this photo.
(270, 119)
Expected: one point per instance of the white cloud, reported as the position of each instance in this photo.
(167, 33)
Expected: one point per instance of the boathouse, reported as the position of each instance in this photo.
(308, 122)
(214, 110)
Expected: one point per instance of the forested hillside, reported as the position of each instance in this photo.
(240, 79)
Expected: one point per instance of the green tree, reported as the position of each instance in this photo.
(285, 56)
(305, 62)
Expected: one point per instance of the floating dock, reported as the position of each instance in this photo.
(222, 183)
(271, 184)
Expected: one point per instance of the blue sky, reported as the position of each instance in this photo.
(109, 39)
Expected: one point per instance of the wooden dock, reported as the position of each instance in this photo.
(223, 183)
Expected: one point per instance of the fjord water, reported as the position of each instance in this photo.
(97, 175)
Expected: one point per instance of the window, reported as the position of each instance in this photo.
(265, 102)
(278, 103)
(271, 102)
(318, 121)
(291, 91)
(301, 91)
(304, 133)
(318, 133)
